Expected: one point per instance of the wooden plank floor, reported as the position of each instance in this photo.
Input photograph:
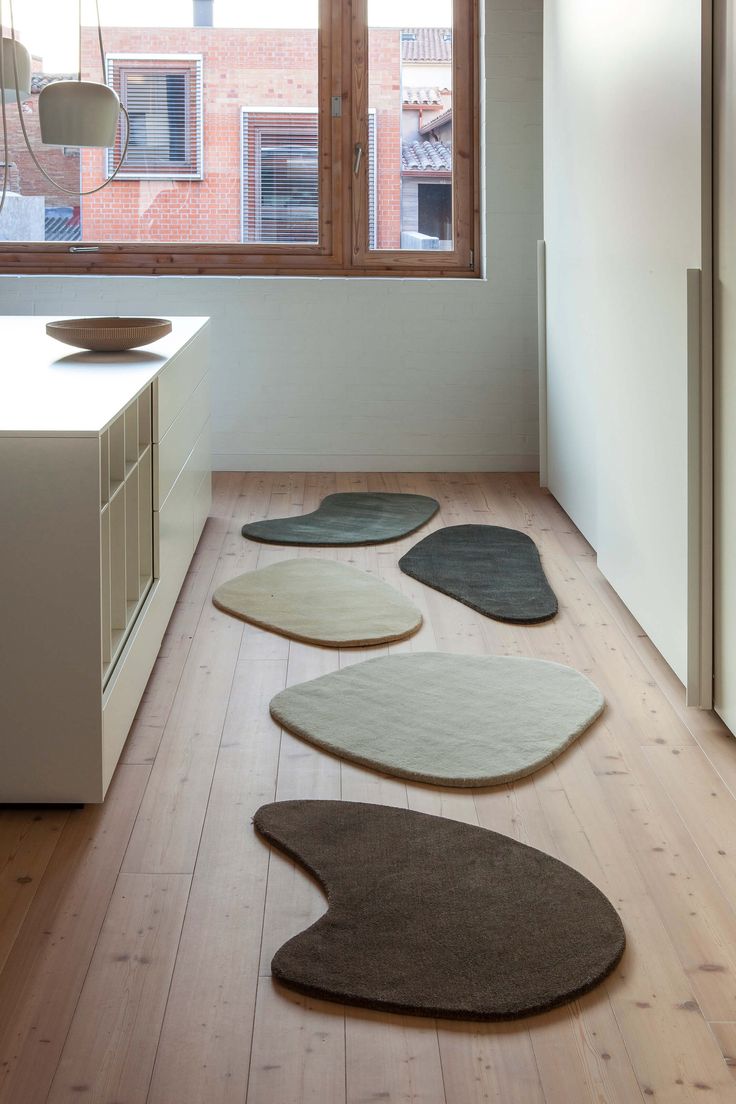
(136, 937)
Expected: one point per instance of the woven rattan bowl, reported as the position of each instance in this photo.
(108, 335)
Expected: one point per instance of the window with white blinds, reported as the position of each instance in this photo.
(372, 179)
(163, 97)
(280, 176)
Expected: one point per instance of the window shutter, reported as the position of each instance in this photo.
(280, 176)
(372, 240)
(163, 97)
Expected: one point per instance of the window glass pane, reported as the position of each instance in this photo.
(223, 103)
(410, 124)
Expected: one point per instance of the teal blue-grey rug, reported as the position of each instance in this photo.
(348, 518)
(494, 570)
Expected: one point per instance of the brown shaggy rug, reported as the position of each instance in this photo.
(431, 917)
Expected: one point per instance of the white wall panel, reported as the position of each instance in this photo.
(623, 223)
(725, 364)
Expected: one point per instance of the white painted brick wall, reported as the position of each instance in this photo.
(370, 374)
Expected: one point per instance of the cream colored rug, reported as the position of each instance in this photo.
(446, 719)
(320, 602)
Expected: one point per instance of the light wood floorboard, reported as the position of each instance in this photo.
(136, 938)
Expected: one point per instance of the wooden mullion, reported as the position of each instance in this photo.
(325, 128)
(359, 83)
(474, 78)
(344, 17)
(464, 99)
(333, 12)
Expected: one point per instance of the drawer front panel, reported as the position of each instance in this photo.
(178, 381)
(202, 461)
(178, 442)
(176, 539)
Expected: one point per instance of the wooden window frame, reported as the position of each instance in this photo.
(344, 224)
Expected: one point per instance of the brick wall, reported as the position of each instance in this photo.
(241, 68)
(29, 180)
(384, 95)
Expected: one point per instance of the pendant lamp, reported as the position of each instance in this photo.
(71, 113)
(78, 113)
(15, 57)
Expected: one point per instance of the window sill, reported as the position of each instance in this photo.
(54, 264)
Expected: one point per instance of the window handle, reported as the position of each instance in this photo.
(357, 158)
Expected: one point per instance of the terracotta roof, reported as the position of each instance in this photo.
(429, 96)
(39, 81)
(426, 44)
(442, 119)
(426, 157)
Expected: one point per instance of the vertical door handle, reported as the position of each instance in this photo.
(357, 158)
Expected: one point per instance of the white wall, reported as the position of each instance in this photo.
(725, 364)
(623, 220)
(324, 374)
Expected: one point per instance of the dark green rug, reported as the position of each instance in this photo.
(431, 917)
(494, 570)
(350, 518)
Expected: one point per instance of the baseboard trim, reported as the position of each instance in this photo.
(369, 462)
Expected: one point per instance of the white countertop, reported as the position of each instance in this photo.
(49, 389)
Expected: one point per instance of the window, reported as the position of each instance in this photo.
(163, 96)
(295, 137)
(280, 175)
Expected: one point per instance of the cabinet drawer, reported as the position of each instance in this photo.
(176, 445)
(178, 381)
(176, 519)
(202, 462)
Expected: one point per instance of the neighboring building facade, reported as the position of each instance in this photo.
(57, 215)
(426, 133)
(224, 137)
(224, 140)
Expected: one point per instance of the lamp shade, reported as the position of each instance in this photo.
(78, 113)
(23, 63)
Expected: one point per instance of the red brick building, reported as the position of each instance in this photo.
(223, 143)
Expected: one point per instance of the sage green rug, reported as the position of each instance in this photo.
(446, 719)
(320, 602)
(431, 917)
(356, 517)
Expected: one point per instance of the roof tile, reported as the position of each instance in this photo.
(429, 96)
(427, 44)
(426, 157)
